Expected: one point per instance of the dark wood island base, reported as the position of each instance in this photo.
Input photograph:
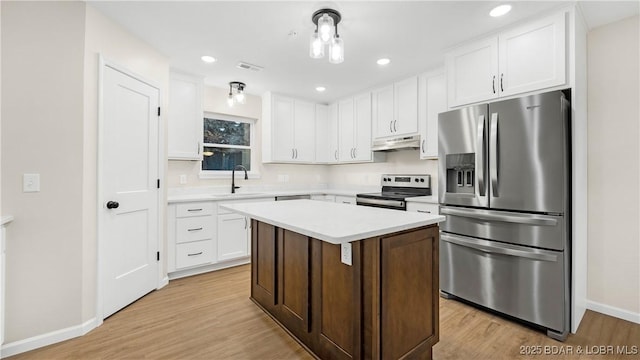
(384, 306)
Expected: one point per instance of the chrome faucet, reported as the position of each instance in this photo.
(233, 177)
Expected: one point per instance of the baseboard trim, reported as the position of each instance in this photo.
(163, 282)
(213, 267)
(18, 347)
(614, 311)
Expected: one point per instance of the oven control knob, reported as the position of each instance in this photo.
(422, 180)
(417, 180)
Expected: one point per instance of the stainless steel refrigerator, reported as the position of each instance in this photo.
(504, 186)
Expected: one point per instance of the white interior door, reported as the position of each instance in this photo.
(128, 191)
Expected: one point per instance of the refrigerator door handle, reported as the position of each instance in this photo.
(527, 219)
(480, 156)
(495, 248)
(493, 154)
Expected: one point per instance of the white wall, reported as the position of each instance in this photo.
(614, 168)
(42, 131)
(50, 81)
(299, 175)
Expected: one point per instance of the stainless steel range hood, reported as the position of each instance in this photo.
(402, 143)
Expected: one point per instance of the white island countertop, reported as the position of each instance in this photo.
(333, 222)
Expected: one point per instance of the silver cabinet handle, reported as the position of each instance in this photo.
(391, 126)
(493, 154)
(194, 209)
(480, 155)
(541, 220)
(424, 211)
(198, 147)
(355, 153)
(492, 247)
(296, 153)
(501, 87)
(195, 254)
(195, 229)
(245, 222)
(493, 84)
(394, 125)
(335, 154)
(293, 154)
(422, 146)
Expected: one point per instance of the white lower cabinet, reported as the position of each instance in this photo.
(194, 253)
(234, 233)
(351, 200)
(423, 208)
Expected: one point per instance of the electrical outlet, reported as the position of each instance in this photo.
(183, 179)
(345, 254)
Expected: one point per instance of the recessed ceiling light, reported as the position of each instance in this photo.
(500, 10)
(209, 59)
(320, 88)
(383, 61)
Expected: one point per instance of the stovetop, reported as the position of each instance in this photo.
(400, 187)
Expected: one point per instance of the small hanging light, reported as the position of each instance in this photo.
(236, 93)
(326, 33)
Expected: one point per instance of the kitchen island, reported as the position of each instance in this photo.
(348, 282)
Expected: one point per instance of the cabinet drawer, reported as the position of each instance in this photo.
(194, 209)
(423, 208)
(194, 228)
(194, 253)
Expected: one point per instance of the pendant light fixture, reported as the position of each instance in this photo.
(236, 93)
(326, 33)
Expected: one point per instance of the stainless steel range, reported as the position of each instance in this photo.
(395, 189)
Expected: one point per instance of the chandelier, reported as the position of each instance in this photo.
(326, 33)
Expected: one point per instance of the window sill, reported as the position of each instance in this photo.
(226, 174)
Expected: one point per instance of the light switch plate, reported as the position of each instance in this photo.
(31, 182)
(345, 254)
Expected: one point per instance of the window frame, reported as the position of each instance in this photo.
(226, 174)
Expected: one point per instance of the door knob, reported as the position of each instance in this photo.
(112, 205)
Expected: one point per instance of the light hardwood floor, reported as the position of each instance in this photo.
(210, 316)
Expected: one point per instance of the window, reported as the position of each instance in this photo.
(227, 142)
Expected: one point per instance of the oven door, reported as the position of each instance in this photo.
(395, 204)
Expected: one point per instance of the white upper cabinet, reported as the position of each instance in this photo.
(532, 57)
(526, 58)
(288, 129)
(185, 117)
(432, 94)
(396, 109)
(471, 72)
(322, 134)
(354, 129)
(332, 133)
(304, 139)
(362, 119)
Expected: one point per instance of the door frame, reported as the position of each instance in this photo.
(162, 279)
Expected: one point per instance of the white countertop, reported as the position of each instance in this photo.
(333, 222)
(5, 219)
(215, 196)
(431, 199)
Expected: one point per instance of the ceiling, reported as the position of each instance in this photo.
(275, 36)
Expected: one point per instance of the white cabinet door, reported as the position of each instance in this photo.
(406, 107)
(282, 121)
(332, 133)
(532, 56)
(362, 146)
(304, 139)
(346, 133)
(423, 208)
(433, 100)
(322, 134)
(233, 236)
(384, 113)
(185, 117)
(472, 72)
